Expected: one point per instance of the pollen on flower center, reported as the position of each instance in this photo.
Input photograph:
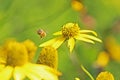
(16, 53)
(48, 56)
(70, 30)
(105, 76)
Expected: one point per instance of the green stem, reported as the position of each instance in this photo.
(87, 72)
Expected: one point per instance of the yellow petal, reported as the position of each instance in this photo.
(77, 78)
(71, 43)
(47, 43)
(6, 73)
(58, 33)
(30, 72)
(37, 72)
(18, 74)
(88, 31)
(52, 70)
(1, 66)
(31, 75)
(90, 37)
(56, 42)
(84, 39)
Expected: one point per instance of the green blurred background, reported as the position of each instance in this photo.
(20, 19)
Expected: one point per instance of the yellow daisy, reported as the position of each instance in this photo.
(101, 76)
(48, 56)
(102, 59)
(113, 48)
(31, 49)
(15, 63)
(105, 76)
(76, 5)
(70, 32)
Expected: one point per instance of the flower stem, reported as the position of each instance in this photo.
(83, 68)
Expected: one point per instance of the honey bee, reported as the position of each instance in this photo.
(41, 33)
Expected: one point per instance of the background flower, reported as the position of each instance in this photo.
(15, 63)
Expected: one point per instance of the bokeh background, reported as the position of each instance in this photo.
(20, 19)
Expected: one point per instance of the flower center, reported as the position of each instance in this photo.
(16, 53)
(105, 76)
(70, 30)
(48, 56)
(3, 56)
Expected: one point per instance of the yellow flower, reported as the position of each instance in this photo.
(14, 63)
(101, 76)
(48, 56)
(105, 76)
(113, 48)
(76, 5)
(31, 49)
(102, 60)
(70, 32)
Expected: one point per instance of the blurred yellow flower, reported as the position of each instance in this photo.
(48, 56)
(70, 32)
(76, 5)
(102, 59)
(101, 76)
(113, 48)
(105, 76)
(14, 63)
(31, 49)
